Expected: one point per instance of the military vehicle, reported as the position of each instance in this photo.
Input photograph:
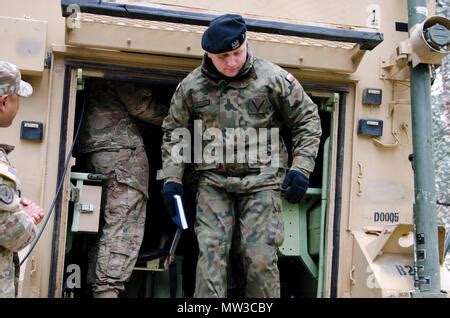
(353, 235)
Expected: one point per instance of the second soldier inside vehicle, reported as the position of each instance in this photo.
(113, 146)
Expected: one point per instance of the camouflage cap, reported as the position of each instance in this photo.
(11, 82)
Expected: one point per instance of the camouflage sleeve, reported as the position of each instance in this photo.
(17, 230)
(174, 125)
(141, 104)
(300, 115)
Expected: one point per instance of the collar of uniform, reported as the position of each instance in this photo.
(6, 148)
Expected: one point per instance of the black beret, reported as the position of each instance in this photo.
(225, 33)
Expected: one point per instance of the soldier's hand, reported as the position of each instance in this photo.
(32, 209)
(294, 186)
(168, 191)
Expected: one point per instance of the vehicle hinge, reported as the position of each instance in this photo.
(74, 194)
(330, 105)
(80, 80)
(48, 61)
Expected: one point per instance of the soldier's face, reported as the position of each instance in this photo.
(9, 105)
(230, 63)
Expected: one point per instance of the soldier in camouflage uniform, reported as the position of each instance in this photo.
(18, 216)
(234, 89)
(113, 146)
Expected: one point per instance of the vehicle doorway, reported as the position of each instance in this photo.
(301, 257)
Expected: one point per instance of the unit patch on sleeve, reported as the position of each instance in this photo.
(6, 194)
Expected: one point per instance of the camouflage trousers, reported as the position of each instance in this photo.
(258, 219)
(112, 259)
(7, 280)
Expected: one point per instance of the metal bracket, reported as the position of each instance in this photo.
(359, 180)
(395, 67)
(391, 111)
(384, 145)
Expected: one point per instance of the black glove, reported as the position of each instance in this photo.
(168, 191)
(295, 185)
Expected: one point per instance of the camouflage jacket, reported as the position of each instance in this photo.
(17, 229)
(263, 95)
(108, 122)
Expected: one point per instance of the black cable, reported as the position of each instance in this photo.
(58, 190)
(442, 203)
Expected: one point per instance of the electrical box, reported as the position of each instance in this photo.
(87, 209)
(31, 130)
(372, 96)
(370, 127)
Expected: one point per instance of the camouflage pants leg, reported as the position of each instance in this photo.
(115, 254)
(7, 281)
(262, 232)
(214, 228)
(16, 261)
(121, 237)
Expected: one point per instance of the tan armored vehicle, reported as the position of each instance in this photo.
(352, 235)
